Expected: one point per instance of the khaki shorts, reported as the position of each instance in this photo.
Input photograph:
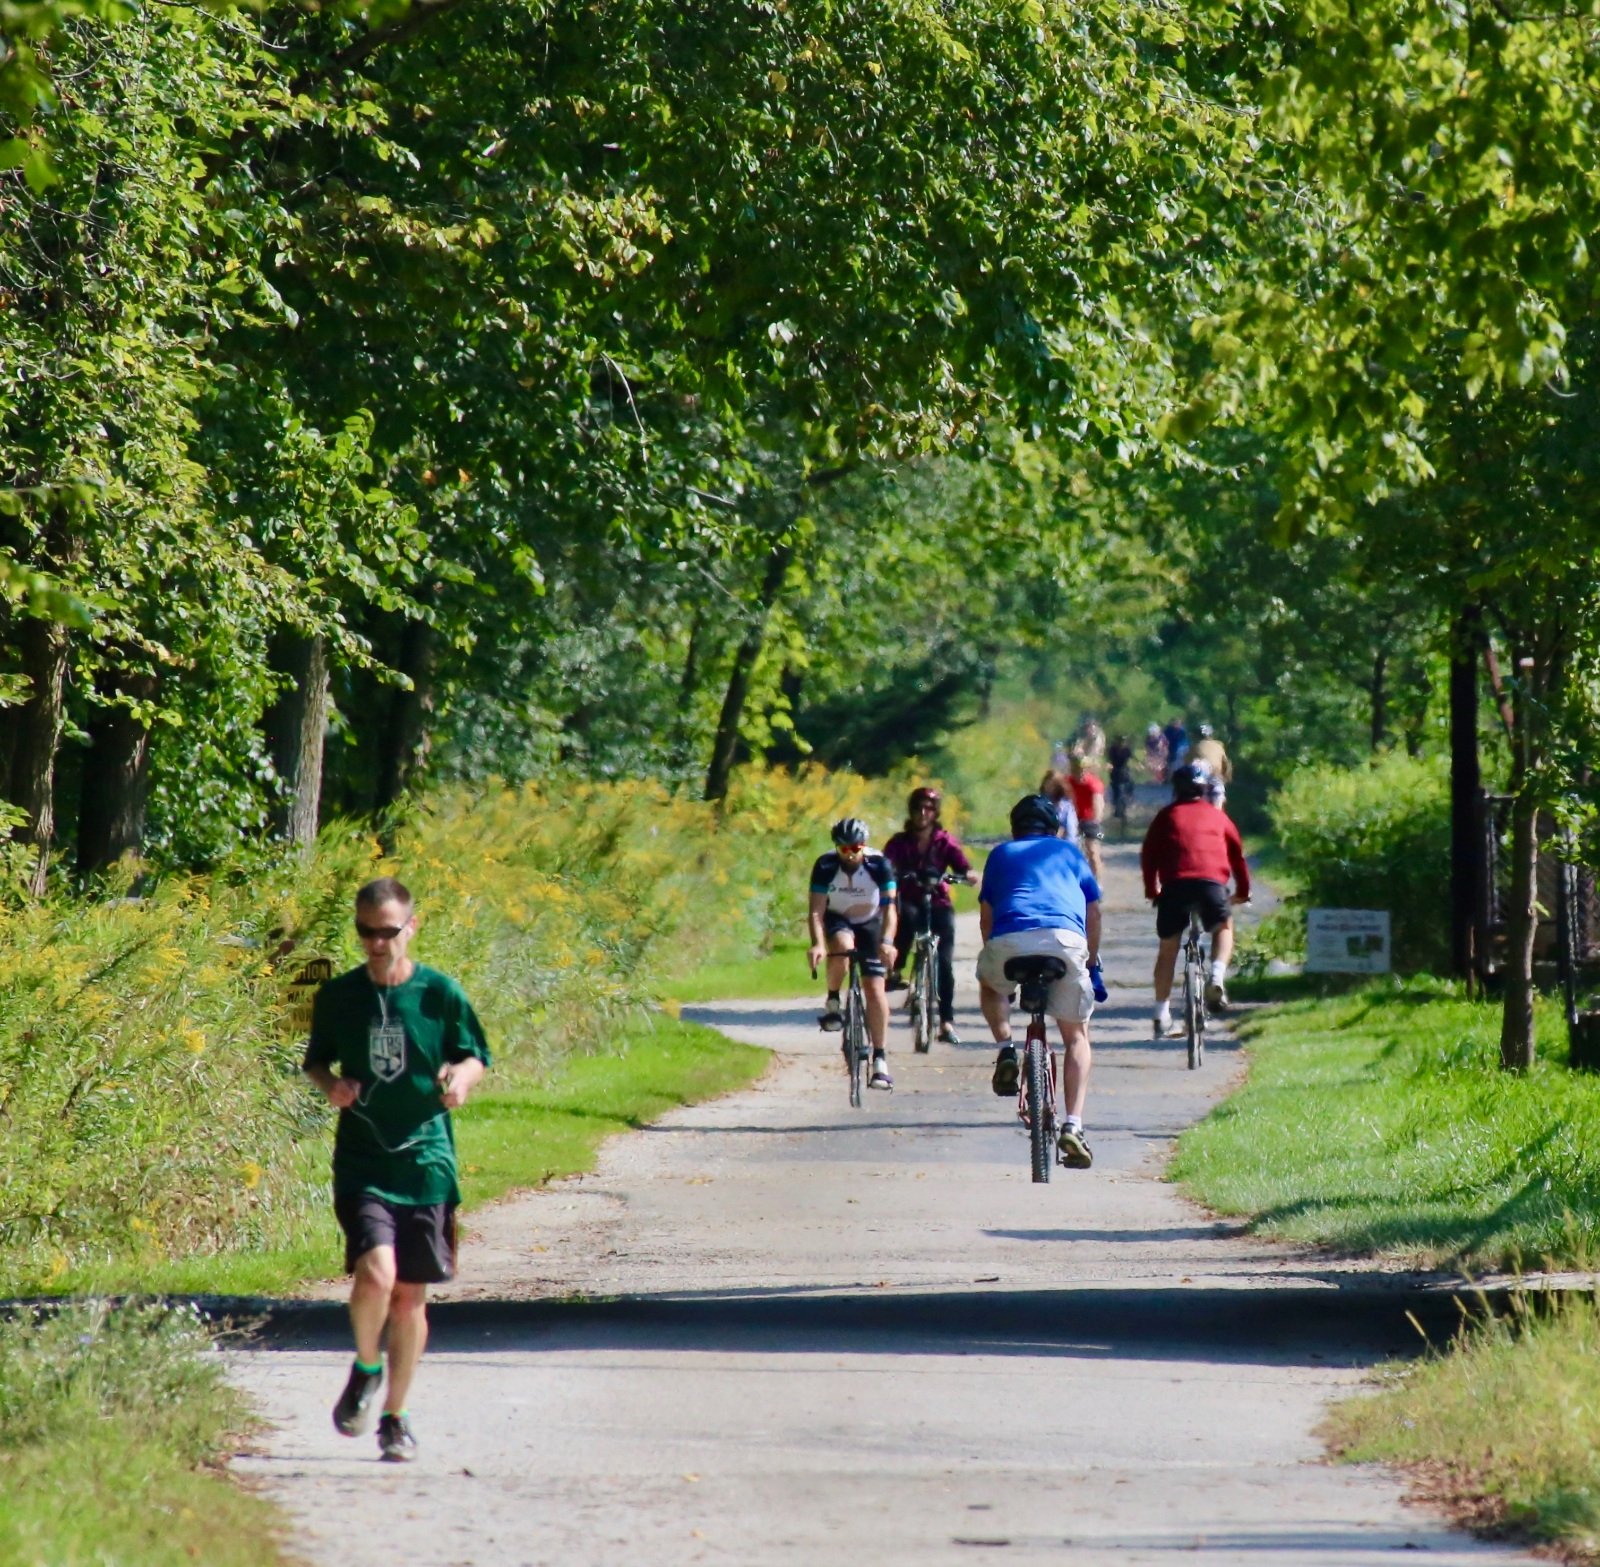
(1071, 998)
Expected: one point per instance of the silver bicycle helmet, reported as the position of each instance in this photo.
(851, 833)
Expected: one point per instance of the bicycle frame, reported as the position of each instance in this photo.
(1036, 1083)
(856, 1045)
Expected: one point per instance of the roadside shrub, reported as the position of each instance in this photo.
(1373, 837)
(149, 1083)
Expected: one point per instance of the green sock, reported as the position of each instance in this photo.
(371, 1371)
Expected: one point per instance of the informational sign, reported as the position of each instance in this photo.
(303, 990)
(1347, 941)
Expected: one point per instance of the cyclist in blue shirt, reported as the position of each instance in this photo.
(1040, 897)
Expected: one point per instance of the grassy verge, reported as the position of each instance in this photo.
(1378, 1121)
(779, 976)
(1504, 1430)
(112, 1428)
(517, 1131)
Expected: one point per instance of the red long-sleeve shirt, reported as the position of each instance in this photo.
(1193, 841)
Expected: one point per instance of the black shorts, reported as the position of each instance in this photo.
(1172, 907)
(423, 1235)
(869, 937)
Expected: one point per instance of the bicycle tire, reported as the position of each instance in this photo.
(1041, 1112)
(922, 1018)
(855, 1029)
(1194, 1012)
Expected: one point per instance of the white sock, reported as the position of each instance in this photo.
(1073, 1123)
(1219, 971)
(1163, 1012)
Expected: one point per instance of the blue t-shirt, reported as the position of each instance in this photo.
(1038, 884)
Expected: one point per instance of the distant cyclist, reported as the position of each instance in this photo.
(1039, 897)
(1089, 802)
(1209, 749)
(1155, 754)
(1121, 758)
(853, 908)
(926, 847)
(1189, 853)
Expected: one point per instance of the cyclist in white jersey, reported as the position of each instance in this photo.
(853, 907)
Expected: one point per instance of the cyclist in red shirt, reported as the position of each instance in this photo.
(1189, 853)
(1089, 801)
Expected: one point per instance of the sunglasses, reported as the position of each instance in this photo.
(852, 848)
(378, 932)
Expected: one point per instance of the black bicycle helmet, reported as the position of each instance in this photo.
(1191, 781)
(851, 833)
(1035, 816)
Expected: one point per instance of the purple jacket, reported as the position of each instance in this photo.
(943, 854)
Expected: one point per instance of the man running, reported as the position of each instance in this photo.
(925, 847)
(853, 908)
(409, 1049)
(1038, 896)
(1189, 853)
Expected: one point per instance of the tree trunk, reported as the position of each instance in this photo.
(116, 775)
(296, 726)
(405, 737)
(43, 646)
(1380, 700)
(1516, 1025)
(1466, 804)
(725, 743)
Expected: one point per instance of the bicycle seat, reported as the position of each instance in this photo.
(1040, 967)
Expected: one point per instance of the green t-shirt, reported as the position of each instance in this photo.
(395, 1141)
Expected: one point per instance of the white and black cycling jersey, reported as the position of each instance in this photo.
(858, 894)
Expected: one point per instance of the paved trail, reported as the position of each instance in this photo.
(868, 1337)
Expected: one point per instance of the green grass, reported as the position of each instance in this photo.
(522, 1134)
(1379, 1122)
(112, 1428)
(778, 976)
(514, 1132)
(1506, 1425)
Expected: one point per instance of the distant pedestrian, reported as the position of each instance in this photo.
(1056, 787)
(409, 1049)
(1155, 754)
(1091, 740)
(1089, 802)
(1210, 750)
(1121, 758)
(1177, 738)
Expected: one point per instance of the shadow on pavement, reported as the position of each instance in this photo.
(1338, 1323)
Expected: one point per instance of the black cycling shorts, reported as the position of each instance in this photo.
(869, 937)
(1172, 907)
(423, 1235)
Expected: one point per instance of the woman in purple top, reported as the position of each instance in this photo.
(925, 846)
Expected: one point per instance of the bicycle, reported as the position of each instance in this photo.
(855, 1044)
(922, 1001)
(1036, 1090)
(1194, 992)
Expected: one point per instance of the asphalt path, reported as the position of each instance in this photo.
(771, 1329)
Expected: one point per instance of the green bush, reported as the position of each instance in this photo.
(1374, 837)
(149, 1083)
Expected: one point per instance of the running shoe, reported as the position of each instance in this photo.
(1216, 998)
(395, 1441)
(352, 1414)
(880, 1074)
(1004, 1081)
(1074, 1150)
(948, 1034)
(831, 1021)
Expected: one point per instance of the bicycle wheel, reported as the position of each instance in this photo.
(922, 1017)
(1041, 1112)
(855, 1033)
(1194, 1011)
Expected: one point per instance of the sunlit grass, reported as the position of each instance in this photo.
(1379, 1121)
(1512, 1414)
